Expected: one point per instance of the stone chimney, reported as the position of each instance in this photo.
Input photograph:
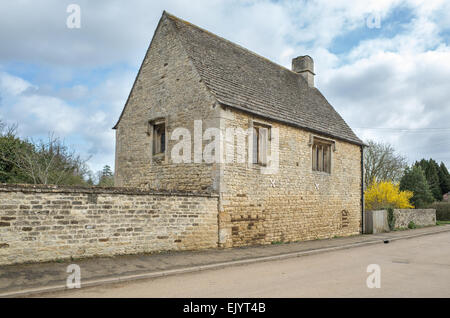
(304, 65)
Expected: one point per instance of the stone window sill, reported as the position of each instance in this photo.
(159, 158)
(321, 173)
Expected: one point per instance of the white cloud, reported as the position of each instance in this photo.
(85, 127)
(12, 85)
(45, 112)
(396, 90)
(395, 81)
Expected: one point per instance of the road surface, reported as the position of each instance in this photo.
(417, 267)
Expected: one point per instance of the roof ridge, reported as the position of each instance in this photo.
(216, 90)
(244, 80)
(173, 17)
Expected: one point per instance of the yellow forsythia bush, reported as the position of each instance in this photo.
(385, 194)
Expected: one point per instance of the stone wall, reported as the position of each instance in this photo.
(295, 203)
(421, 217)
(42, 223)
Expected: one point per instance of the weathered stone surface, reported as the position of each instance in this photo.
(295, 203)
(167, 87)
(421, 217)
(42, 235)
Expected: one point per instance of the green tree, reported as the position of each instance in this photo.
(52, 162)
(39, 162)
(414, 180)
(10, 144)
(106, 177)
(90, 178)
(430, 168)
(444, 178)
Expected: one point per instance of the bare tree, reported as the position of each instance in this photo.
(7, 130)
(382, 163)
(48, 162)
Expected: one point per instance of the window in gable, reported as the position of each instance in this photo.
(159, 137)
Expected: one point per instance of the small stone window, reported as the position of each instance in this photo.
(159, 137)
(321, 155)
(261, 138)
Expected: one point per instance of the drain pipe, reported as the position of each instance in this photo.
(362, 189)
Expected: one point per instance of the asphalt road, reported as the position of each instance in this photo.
(417, 267)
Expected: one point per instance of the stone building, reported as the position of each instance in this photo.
(207, 115)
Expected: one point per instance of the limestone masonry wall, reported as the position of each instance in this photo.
(421, 217)
(43, 223)
(295, 203)
(167, 87)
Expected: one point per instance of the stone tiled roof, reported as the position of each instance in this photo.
(244, 80)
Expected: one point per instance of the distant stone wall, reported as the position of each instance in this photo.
(421, 217)
(43, 223)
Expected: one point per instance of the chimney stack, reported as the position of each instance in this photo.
(304, 65)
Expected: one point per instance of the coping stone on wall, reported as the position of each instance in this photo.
(33, 188)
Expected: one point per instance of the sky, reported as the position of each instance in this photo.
(384, 65)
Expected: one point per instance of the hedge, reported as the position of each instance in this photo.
(442, 210)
